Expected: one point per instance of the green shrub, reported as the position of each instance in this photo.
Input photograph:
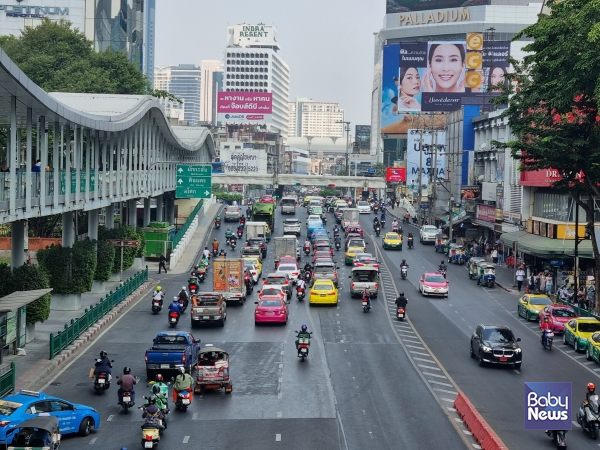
(71, 270)
(30, 277)
(5, 279)
(129, 253)
(105, 261)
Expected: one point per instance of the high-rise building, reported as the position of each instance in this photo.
(252, 64)
(309, 118)
(183, 81)
(124, 25)
(209, 87)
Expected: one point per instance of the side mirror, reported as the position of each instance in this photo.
(421, 279)
(256, 303)
(349, 276)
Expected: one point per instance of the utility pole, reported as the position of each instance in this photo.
(451, 203)
(420, 180)
(433, 175)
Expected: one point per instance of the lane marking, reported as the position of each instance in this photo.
(185, 439)
(435, 375)
(447, 399)
(449, 408)
(415, 346)
(423, 359)
(467, 432)
(576, 424)
(279, 414)
(110, 417)
(277, 438)
(195, 416)
(92, 441)
(446, 391)
(476, 446)
(440, 383)
(419, 353)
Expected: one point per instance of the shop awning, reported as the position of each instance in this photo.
(546, 247)
(484, 223)
(21, 298)
(457, 216)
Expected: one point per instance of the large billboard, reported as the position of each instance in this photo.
(433, 150)
(363, 136)
(440, 75)
(401, 6)
(245, 107)
(246, 159)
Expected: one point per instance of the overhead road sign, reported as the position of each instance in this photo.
(194, 181)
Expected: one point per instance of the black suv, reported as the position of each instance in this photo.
(496, 344)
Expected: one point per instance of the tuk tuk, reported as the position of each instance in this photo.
(441, 243)
(472, 266)
(456, 254)
(37, 433)
(212, 370)
(486, 274)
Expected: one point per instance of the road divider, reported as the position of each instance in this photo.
(482, 432)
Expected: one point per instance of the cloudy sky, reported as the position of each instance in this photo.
(328, 44)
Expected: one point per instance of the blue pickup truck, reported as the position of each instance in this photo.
(171, 349)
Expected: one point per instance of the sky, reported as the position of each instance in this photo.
(328, 44)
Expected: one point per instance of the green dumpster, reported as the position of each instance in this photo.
(159, 238)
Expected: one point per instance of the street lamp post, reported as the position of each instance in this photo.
(347, 129)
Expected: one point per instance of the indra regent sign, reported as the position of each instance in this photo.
(254, 31)
(32, 11)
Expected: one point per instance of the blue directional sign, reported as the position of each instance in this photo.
(194, 181)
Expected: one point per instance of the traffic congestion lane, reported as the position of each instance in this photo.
(446, 327)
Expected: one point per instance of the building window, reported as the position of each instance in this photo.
(237, 83)
(266, 70)
(237, 55)
(247, 84)
(228, 55)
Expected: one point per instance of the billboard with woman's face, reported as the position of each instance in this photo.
(439, 76)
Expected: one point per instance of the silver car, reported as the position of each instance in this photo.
(292, 226)
(232, 213)
(325, 271)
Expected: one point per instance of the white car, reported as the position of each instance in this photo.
(428, 233)
(291, 226)
(232, 213)
(363, 207)
(291, 269)
(313, 217)
(251, 268)
(272, 289)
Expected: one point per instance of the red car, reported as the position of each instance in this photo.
(267, 199)
(321, 254)
(354, 228)
(558, 315)
(271, 309)
(287, 259)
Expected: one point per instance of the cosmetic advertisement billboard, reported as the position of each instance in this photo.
(440, 76)
(245, 107)
(433, 156)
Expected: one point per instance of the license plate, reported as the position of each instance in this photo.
(101, 381)
(126, 399)
(148, 444)
(185, 401)
(364, 303)
(503, 358)
(400, 314)
(436, 290)
(302, 350)
(156, 304)
(165, 366)
(270, 313)
(206, 317)
(323, 295)
(173, 319)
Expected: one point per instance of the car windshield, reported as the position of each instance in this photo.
(391, 236)
(271, 291)
(287, 268)
(430, 229)
(314, 223)
(288, 201)
(276, 280)
(588, 327)
(271, 303)
(435, 279)
(253, 242)
(7, 408)
(564, 312)
(324, 269)
(249, 265)
(498, 335)
(321, 287)
(317, 210)
(364, 276)
(540, 301)
(292, 222)
(362, 203)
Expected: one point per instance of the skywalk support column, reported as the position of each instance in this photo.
(170, 210)
(67, 302)
(159, 208)
(132, 213)
(93, 224)
(68, 229)
(147, 211)
(17, 254)
(109, 222)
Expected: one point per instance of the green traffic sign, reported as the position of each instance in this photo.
(193, 181)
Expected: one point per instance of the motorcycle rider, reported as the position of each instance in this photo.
(403, 264)
(545, 325)
(410, 236)
(307, 245)
(307, 267)
(184, 296)
(382, 218)
(222, 254)
(206, 253)
(300, 284)
(127, 381)
(154, 415)
(367, 296)
(228, 233)
(196, 271)
(442, 267)
(303, 330)
(248, 212)
(395, 224)
(159, 381)
(407, 217)
(158, 295)
(103, 365)
(591, 390)
(175, 306)
(401, 301)
(215, 245)
(183, 382)
(375, 222)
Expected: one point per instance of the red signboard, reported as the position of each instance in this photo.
(123, 243)
(540, 178)
(486, 212)
(395, 174)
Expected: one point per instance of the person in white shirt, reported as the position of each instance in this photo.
(206, 253)
(520, 273)
(495, 256)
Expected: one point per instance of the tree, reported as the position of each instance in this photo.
(342, 172)
(380, 169)
(554, 111)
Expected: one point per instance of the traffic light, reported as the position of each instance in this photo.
(331, 185)
(296, 184)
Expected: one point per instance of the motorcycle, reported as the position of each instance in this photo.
(240, 233)
(365, 305)
(215, 252)
(443, 272)
(127, 400)
(401, 313)
(303, 344)
(404, 272)
(249, 287)
(549, 337)
(217, 224)
(300, 294)
(307, 250)
(382, 222)
(227, 240)
(307, 275)
(183, 400)
(173, 319)
(588, 416)
(558, 437)
(410, 243)
(338, 245)
(395, 228)
(184, 304)
(101, 382)
(156, 305)
(151, 431)
(377, 230)
(376, 209)
(233, 244)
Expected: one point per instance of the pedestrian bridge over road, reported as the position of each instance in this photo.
(304, 180)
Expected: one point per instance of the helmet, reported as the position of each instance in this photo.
(183, 288)
(159, 377)
(158, 289)
(126, 370)
(304, 327)
(403, 261)
(156, 389)
(103, 354)
(591, 387)
(181, 369)
(195, 267)
(175, 299)
(442, 262)
(152, 400)
(401, 294)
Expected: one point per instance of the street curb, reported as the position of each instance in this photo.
(482, 432)
(506, 289)
(44, 368)
(204, 242)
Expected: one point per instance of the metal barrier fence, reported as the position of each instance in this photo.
(72, 331)
(7, 379)
(177, 238)
(581, 311)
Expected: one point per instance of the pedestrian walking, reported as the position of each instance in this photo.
(162, 263)
(538, 283)
(549, 284)
(495, 256)
(591, 297)
(397, 203)
(520, 273)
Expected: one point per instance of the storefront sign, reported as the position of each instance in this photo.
(38, 12)
(254, 31)
(486, 212)
(442, 16)
(557, 263)
(568, 231)
(499, 215)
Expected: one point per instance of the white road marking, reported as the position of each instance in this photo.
(281, 366)
(426, 360)
(450, 408)
(428, 367)
(185, 439)
(279, 395)
(406, 331)
(458, 419)
(596, 370)
(110, 417)
(415, 346)
(587, 363)
(440, 383)
(446, 391)
(280, 379)
(516, 371)
(277, 438)
(578, 357)
(576, 424)
(92, 441)
(435, 375)
(419, 353)
(447, 400)
(467, 432)
(476, 446)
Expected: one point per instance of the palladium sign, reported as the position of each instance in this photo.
(33, 11)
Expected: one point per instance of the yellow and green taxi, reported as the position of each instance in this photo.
(323, 292)
(578, 331)
(267, 232)
(256, 262)
(392, 240)
(351, 254)
(307, 200)
(593, 348)
(530, 305)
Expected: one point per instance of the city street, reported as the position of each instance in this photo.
(356, 390)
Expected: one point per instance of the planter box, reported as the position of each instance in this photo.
(71, 302)
(138, 263)
(98, 287)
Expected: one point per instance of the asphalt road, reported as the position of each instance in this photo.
(358, 389)
(446, 325)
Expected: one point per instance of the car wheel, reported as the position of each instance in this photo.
(527, 317)
(150, 374)
(481, 361)
(222, 323)
(587, 354)
(85, 427)
(565, 338)
(517, 366)
(400, 248)
(255, 323)
(471, 352)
